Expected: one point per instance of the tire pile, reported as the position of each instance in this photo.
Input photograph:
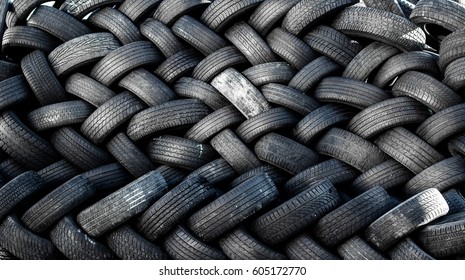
(232, 129)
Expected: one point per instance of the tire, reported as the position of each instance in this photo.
(289, 47)
(407, 249)
(333, 44)
(234, 151)
(297, 213)
(129, 245)
(233, 207)
(8, 70)
(197, 89)
(42, 79)
(180, 152)
(249, 43)
(351, 149)
(272, 72)
(451, 49)
(122, 204)
(181, 244)
(23, 145)
(241, 245)
(138, 10)
(303, 247)
(453, 77)
(198, 35)
(110, 115)
(173, 176)
(78, 150)
(162, 37)
(307, 14)
(170, 114)
(240, 92)
(271, 120)
(75, 244)
(333, 170)
(353, 216)
(214, 123)
(290, 98)
(108, 178)
(455, 200)
(216, 172)
(169, 11)
(276, 175)
(9, 169)
(357, 248)
(400, 221)
(285, 153)
(117, 23)
(387, 5)
(88, 89)
(178, 65)
(23, 8)
(19, 40)
(311, 74)
(265, 16)
(81, 8)
(85, 49)
(427, 90)
(367, 60)
(174, 206)
(22, 243)
(57, 173)
(414, 153)
(217, 62)
(13, 91)
(129, 155)
(147, 87)
(456, 145)
(386, 115)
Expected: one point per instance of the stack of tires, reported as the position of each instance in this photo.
(232, 129)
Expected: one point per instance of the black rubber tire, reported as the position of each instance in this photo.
(110, 115)
(368, 60)
(297, 213)
(162, 37)
(387, 5)
(17, 190)
(407, 249)
(427, 90)
(349, 92)
(57, 173)
(268, 121)
(333, 170)
(307, 14)
(81, 8)
(271, 72)
(358, 248)
(389, 175)
(332, 44)
(276, 175)
(198, 35)
(221, 13)
(139, 9)
(108, 178)
(268, 13)
(180, 152)
(75, 244)
(408, 149)
(456, 145)
(117, 23)
(285, 153)
(124, 59)
(170, 114)
(241, 245)
(130, 245)
(5, 255)
(453, 76)
(216, 172)
(23, 8)
(249, 43)
(303, 247)
(289, 47)
(444, 237)
(451, 49)
(129, 155)
(217, 62)
(240, 92)
(196, 89)
(8, 70)
(455, 200)
(379, 25)
(290, 98)
(4, 7)
(351, 149)
(23, 145)
(353, 216)
(411, 214)
(233, 207)
(22, 243)
(42, 79)
(121, 205)
(85, 49)
(9, 169)
(174, 206)
(147, 87)
(178, 65)
(57, 23)
(88, 89)
(387, 114)
(78, 150)
(59, 114)
(403, 62)
(434, 132)
(316, 122)
(169, 11)
(311, 74)
(181, 244)
(214, 123)
(13, 91)
(234, 151)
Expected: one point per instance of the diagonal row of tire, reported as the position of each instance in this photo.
(232, 129)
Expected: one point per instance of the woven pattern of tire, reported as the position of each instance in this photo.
(232, 129)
